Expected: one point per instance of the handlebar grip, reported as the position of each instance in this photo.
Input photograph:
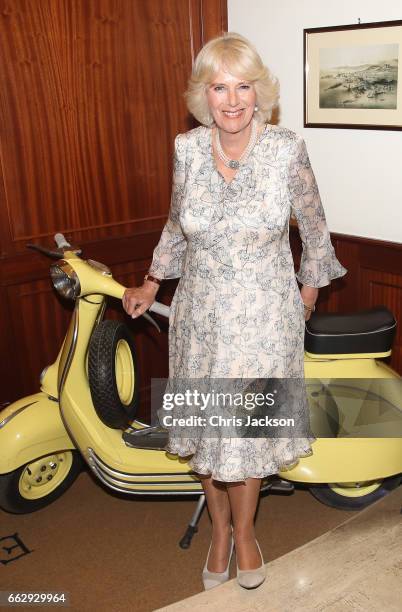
(61, 241)
(159, 308)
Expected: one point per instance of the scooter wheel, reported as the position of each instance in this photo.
(112, 371)
(39, 483)
(354, 496)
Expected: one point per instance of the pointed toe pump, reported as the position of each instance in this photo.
(252, 578)
(213, 579)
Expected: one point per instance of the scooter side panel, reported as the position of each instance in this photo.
(84, 425)
(30, 428)
(89, 432)
(347, 368)
(348, 460)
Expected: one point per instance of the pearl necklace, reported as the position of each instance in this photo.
(235, 163)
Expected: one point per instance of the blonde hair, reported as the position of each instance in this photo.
(234, 53)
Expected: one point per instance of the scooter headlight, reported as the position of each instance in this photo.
(65, 280)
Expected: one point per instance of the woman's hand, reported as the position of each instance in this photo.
(136, 300)
(309, 296)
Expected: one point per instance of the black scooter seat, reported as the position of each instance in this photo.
(366, 331)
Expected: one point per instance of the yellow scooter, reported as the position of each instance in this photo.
(88, 400)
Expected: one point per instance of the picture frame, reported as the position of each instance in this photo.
(353, 76)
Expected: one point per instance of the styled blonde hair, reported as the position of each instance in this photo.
(235, 54)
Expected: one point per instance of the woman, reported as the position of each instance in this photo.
(237, 310)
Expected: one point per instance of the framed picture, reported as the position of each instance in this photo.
(353, 76)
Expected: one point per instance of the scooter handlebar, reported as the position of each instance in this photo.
(61, 241)
(107, 285)
(159, 308)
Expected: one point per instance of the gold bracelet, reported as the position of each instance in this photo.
(309, 308)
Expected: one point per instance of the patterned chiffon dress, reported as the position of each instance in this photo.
(237, 310)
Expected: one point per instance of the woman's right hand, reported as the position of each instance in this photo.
(136, 300)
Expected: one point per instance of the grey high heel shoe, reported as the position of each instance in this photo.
(252, 578)
(213, 579)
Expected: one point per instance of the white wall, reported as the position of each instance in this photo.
(359, 172)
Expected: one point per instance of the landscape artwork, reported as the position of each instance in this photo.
(364, 77)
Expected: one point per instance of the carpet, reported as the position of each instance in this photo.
(114, 553)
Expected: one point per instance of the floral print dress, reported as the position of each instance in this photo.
(237, 310)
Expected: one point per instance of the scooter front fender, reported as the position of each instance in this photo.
(31, 428)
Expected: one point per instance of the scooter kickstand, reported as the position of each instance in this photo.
(192, 528)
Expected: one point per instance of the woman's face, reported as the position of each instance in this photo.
(231, 102)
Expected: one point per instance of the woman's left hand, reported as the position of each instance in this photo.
(309, 296)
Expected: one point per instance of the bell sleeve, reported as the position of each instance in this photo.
(169, 253)
(319, 264)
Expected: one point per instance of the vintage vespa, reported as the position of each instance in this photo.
(86, 407)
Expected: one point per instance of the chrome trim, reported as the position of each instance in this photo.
(377, 331)
(98, 467)
(102, 471)
(143, 491)
(71, 352)
(142, 431)
(99, 318)
(42, 374)
(11, 416)
(70, 273)
(157, 484)
(134, 477)
(140, 422)
(67, 366)
(99, 267)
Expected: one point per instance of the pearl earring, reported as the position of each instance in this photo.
(255, 109)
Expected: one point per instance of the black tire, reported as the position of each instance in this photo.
(12, 496)
(326, 495)
(113, 409)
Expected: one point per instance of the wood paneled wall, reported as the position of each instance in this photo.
(90, 102)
